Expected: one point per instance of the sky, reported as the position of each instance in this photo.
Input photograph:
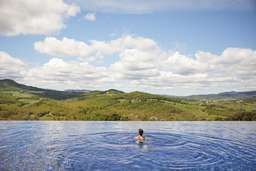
(173, 47)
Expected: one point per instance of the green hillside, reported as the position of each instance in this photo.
(20, 102)
(10, 86)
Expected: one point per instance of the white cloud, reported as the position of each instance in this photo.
(140, 64)
(11, 67)
(60, 74)
(34, 16)
(62, 48)
(143, 65)
(136, 64)
(90, 17)
(94, 49)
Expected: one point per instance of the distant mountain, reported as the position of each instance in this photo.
(22, 102)
(77, 90)
(113, 91)
(11, 85)
(226, 95)
(239, 94)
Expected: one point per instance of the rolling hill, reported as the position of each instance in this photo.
(10, 85)
(22, 102)
(226, 95)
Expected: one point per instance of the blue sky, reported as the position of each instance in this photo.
(187, 31)
(183, 28)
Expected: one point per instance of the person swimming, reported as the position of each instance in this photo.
(140, 137)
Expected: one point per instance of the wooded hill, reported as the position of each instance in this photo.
(21, 102)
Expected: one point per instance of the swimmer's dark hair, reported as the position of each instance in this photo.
(141, 132)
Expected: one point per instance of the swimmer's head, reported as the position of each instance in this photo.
(140, 132)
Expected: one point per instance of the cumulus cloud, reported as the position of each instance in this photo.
(136, 64)
(11, 67)
(90, 17)
(93, 49)
(140, 64)
(234, 68)
(61, 48)
(34, 16)
(143, 65)
(60, 74)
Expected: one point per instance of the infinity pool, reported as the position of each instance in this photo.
(68, 145)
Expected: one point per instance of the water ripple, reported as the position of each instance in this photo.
(69, 148)
(175, 151)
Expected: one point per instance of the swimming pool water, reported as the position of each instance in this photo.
(70, 145)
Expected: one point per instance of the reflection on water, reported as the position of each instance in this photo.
(111, 146)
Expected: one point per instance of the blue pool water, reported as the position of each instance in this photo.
(71, 145)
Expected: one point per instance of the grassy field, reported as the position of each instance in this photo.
(17, 103)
